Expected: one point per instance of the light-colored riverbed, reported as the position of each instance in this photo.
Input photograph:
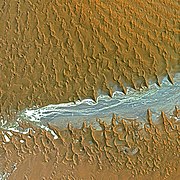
(132, 105)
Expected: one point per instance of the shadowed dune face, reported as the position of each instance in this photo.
(56, 51)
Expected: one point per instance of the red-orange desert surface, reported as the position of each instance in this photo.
(121, 150)
(57, 51)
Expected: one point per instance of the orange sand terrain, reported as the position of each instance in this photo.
(55, 51)
(121, 150)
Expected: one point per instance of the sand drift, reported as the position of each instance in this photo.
(133, 105)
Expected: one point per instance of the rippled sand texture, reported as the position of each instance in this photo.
(120, 150)
(58, 51)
